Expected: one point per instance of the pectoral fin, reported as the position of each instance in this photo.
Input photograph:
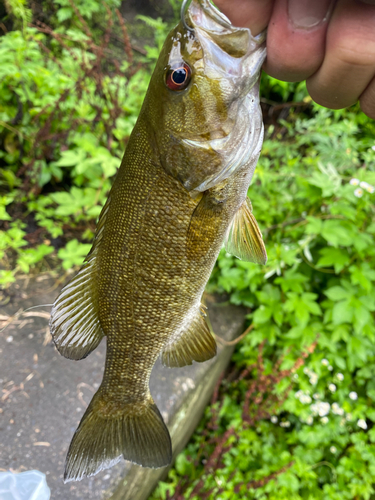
(74, 321)
(195, 344)
(244, 239)
(205, 224)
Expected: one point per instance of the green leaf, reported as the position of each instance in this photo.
(314, 225)
(262, 315)
(73, 254)
(338, 233)
(4, 214)
(338, 258)
(336, 293)
(342, 312)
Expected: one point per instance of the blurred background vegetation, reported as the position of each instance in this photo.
(293, 417)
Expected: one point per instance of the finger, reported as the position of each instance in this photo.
(349, 62)
(367, 100)
(296, 38)
(253, 14)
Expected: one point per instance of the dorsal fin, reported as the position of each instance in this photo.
(74, 321)
(195, 344)
(244, 239)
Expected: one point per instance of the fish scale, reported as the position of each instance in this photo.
(180, 193)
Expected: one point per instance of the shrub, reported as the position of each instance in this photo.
(69, 101)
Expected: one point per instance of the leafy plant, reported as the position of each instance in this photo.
(69, 103)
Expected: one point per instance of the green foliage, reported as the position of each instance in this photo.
(69, 101)
(19, 10)
(313, 197)
(73, 254)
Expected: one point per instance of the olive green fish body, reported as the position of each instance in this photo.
(146, 282)
(180, 193)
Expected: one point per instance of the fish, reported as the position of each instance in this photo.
(180, 194)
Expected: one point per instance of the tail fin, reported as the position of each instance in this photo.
(108, 431)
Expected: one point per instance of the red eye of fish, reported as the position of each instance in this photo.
(178, 78)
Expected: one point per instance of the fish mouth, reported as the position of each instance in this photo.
(232, 55)
(212, 13)
(236, 42)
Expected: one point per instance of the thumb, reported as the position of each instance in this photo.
(253, 14)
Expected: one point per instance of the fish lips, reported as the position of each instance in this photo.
(229, 51)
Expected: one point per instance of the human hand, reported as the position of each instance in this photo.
(328, 43)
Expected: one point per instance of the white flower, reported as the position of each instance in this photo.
(320, 408)
(353, 395)
(373, 148)
(354, 182)
(309, 420)
(362, 423)
(313, 378)
(305, 399)
(337, 410)
(370, 189)
(274, 419)
(364, 185)
(332, 387)
(340, 377)
(330, 368)
(298, 394)
(358, 192)
(325, 362)
(324, 420)
(285, 424)
(295, 376)
(333, 449)
(348, 417)
(316, 396)
(306, 370)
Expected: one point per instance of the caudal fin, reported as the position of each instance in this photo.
(109, 431)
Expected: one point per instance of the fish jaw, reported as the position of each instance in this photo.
(233, 56)
(228, 51)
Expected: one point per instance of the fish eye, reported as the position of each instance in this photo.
(178, 78)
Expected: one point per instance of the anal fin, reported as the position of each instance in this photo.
(195, 344)
(244, 239)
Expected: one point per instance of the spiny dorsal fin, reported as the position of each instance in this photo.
(74, 321)
(244, 239)
(195, 344)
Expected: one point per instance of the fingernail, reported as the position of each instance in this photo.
(307, 14)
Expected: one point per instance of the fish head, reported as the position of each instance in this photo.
(204, 98)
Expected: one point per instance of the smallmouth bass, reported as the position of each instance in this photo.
(180, 193)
